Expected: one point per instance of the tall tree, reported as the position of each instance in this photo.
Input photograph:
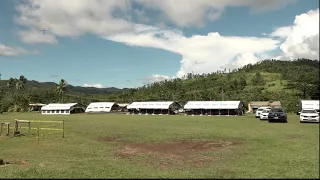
(242, 83)
(20, 83)
(306, 82)
(62, 89)
(11, 83)
(258, 80)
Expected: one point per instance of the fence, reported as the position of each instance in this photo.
(32, 125)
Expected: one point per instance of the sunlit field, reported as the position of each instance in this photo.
(133, 146)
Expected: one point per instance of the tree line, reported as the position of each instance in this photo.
(269, 80)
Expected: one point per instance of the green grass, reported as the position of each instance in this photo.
(268, 151)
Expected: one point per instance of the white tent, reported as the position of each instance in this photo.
(150, 105)
(310, 104)
(155, 107)
(100, 107)
(214, 107)
(64, 109)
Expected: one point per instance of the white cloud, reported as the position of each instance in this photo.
(93, 85)
(13, 51)
(155, 78)
(301, 40)
(73, 18)
(201, 54)
(187, 13)
(281, 32)
(112, 19)
(36, 36)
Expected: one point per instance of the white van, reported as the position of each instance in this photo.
(259, 111)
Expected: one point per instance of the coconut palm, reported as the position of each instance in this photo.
(62, 88)
(11, 83)
(20, 83)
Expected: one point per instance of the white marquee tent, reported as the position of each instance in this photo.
(64, 109)
(310, 104)
(100, 107)
(167, 107)
(214, 107)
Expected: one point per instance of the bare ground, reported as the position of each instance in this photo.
(179, 153)
(20, 163)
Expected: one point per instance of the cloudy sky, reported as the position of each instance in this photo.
(127, 43)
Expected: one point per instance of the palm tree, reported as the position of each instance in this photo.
(11, 83)
(20, 83)
(62, 88)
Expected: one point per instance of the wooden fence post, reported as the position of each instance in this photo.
(62, 128)
(8, 129)
(38, 135)
(1, 126)
(29, 124)
(15, 128)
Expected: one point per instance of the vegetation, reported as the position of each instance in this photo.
(269, 80)
(92, 143)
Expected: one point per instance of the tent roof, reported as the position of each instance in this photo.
(310, 104)
(37, 104)
(265, 103)
(212, 105)
(123, 104)
(101, 104)
(59, 106)
(151, 105)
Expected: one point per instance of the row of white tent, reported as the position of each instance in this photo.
(200, 107)
(144, 107)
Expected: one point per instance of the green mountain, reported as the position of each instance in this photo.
(32, 84)
(269, 80)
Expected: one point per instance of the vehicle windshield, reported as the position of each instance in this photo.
(266, 111)
(260, 110)
(309, 111)
(277, 110)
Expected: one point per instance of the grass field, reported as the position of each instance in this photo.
(126, 146)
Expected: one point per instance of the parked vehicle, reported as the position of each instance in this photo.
(259, 111)
(309, 115)
(264, 114)
(277, 115)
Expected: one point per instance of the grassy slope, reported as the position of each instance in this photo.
(270, 150)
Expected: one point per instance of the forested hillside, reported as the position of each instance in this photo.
(269, 80)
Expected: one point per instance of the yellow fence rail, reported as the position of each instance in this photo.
(17, 121)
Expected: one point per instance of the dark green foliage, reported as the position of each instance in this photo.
(258, 80)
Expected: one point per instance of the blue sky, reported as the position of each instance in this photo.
(87, 46)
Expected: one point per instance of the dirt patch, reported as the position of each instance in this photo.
(177, 153)
(110, 139)
(22, 163)
(4, 137)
